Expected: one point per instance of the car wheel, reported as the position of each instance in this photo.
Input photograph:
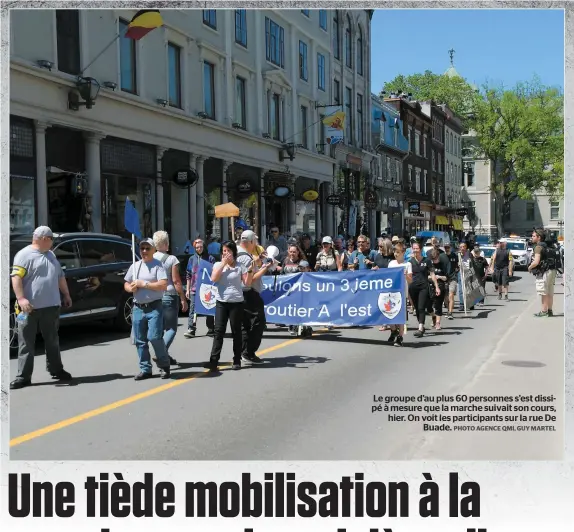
(13, 336)
(123, 319)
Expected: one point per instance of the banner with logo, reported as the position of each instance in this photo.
(473, 290)
(334, 123)
(350, 298)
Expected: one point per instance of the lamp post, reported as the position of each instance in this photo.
(87, 89)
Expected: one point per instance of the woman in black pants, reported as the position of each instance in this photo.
(419, 288)
(227, 276)
(441, 269)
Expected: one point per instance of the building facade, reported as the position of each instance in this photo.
(235, 95)
(392, 147)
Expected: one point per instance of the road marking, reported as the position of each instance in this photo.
(128, 400)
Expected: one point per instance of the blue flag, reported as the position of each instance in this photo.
(132, 219)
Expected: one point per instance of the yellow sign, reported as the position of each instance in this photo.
(310, 195)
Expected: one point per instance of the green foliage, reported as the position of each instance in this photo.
(455, 91)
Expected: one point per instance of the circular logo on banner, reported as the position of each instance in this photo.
(310, 195)
(390, 304)
(207, 295)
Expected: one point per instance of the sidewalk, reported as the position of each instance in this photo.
(528, 360)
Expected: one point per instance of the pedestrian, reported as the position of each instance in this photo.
(328, 259)
(38, 280)
(364, 257)
(436, 299)
(309, 250)
(253, 323)
(398, 332)
(543, 267)
(453, 274)
(463, 262)
(147, 281)
(501, 265)
(422, 269)
(191, 274)
(291, 265)
(228, 276)
(174, 297)
(385, 253)
(480, 265)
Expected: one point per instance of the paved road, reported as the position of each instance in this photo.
(311, 399)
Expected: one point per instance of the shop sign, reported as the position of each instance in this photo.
(353, 159)
(333, 199)
(185, 177)
(244, 187)
(310, 195)
(371, 199)
(462, 212)
(414, 208)
(281, 192)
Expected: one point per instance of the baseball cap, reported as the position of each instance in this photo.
(395, 239)
(248, 236)
(147, 241)
(327, 240)
(303, 264)
(305, 236)
(43, 231)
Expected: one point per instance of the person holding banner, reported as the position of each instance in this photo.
(328, 260)
(398, 331)
(293, 264)
(422, 269)
(228, 276)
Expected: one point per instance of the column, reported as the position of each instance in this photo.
(200, 199)
(261, 98)
(318, 217)
(229, 15)
(160, 215)
(41, 180)
(225, 234)
(192, 211)
(291, 216)
(295, 136)
(94, 178)
(262, 218)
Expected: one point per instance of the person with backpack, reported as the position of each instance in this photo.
(544, 267)
(174, 296)
(501, 266)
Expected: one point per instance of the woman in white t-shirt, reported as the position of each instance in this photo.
(398, 331)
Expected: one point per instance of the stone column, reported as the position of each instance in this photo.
(261, 97)
(160, 215)
(328, 221)
(41, 180)
(200, 199)
(225, 234)
(295, 136)
(192, 211)
(318, 217)
(291, 213)
(94, 178)
(262, 219)
(229, 15)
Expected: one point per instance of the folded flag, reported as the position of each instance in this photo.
(132, 219)
(143, 22)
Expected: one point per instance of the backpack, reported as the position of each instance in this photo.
(553, 259)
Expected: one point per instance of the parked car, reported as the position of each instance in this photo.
(488, 253)
(94, 265)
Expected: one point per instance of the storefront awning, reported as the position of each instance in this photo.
(457, 224)
(441, 220)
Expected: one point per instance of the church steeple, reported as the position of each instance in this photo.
(451, 53)
(451, 71)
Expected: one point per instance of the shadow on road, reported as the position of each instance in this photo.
(456, 328)
(88, 379)
(420, 344)
(291, 361)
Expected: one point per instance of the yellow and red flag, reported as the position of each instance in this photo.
(143, 22)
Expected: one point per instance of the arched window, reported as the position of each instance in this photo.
(360, 52)
(348, 44)
(336, 36)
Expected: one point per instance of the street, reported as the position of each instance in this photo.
(310, 400)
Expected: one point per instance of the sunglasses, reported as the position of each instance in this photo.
(326, 244)
(361, 242)
(145, 248)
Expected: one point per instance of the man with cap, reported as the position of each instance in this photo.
(37, 281)
(253, 323)
(147, 281)
(309, 250)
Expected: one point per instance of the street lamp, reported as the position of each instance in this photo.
(87, 89)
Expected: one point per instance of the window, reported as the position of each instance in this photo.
(360, 53)
(425, 146)
(469, 174)
(451, 143)
(396, 136)
(388, 175)
(348, 44)
(97, 252)
(174, 66)
(360, 120)
(410, 139)
(305, 12)
(417, 142)
(127, 60)
(321, 72)
(241, 27)
(397, 171)
(323, 19)
(304, 126)
(68, 39)
(240, 103)
(209, 89)
(274, 43)
(322, 135)
(67, 255)
(349, 115)
(274, 116)
(336, 92)
(433, 191)
(439, 166)
(210, 18)
(554, 210)
(439, 194)
(303, 73)
(530, 211)
(425, 177)
(433, 153)
(336, 36)
(418, 180)
(447, 145)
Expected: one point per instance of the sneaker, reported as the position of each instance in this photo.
(393, 337)
(190, 333)
(253, 359)
(419, 333)
(18, 383)
(173, 361)
(550, 313)
(165, 373)
(142, 376)
(293, 331)
(499, 296)
(210, 332)
(211, 366)
(506, 298)
(62, 376)
(236, 366)
(398, 341)
(449, 316)
(541, 315)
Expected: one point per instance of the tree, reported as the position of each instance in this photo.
(521, 132)
(454, 91)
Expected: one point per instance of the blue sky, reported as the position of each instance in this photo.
(498, 45)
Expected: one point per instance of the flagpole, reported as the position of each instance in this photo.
(99, 55)
(462, 282)
(134, 251)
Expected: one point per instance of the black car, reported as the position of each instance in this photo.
(95, 265)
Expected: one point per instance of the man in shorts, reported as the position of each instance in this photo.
(545, 275)
(452, 283)
(502, 266)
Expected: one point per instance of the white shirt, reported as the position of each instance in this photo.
(406, 265)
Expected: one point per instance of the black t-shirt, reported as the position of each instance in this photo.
(441, 269)
(480, 265)
(382, 261)
(311, 255)
(501, 259)
(453, 258)
(421, 271)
